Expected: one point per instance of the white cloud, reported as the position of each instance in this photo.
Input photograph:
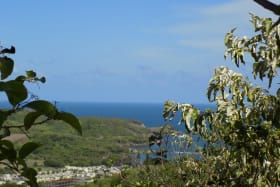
(210, 23)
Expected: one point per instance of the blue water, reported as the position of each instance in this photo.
(148, 113)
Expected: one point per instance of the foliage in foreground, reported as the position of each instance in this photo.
(40, 111)
(242, 137)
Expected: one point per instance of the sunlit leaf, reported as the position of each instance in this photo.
(31, 74)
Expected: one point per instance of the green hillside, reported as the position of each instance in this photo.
(104, 141)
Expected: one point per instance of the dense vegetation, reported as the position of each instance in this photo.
(241, 137)
(105, 141)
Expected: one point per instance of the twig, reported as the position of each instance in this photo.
(22, 126)
(272, 7)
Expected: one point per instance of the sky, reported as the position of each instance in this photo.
(123, 50)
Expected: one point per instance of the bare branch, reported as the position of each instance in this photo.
(268, 5)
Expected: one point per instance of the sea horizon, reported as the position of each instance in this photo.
(150, 114)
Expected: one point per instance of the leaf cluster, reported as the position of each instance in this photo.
(242, 137)
(19, 99)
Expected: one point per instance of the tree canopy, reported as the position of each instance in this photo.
(242, 136)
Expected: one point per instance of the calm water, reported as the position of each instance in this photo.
(148, 113)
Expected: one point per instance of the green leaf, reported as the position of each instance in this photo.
(7, 150)
(6, 132)
(6, 67)
(232, 30)
(21, 78)
(12, 50)
(3, 117)
(31, 74)
(226, 40)
(71, 120)
(27, 148)
(7, 144)
(268, 24)
(30, 174)
(188, 119)
(30, 119)
(43, 107)
(15, 91)
(42, 79)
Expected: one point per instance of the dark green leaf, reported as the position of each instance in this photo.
(30, 119)
(12, 50)
(27, 148)
(30, 174)
(71, 120)
(7, 150)
(21, 78)
(43, 107)
(7, 144)
(15, 91)
(6, 132)
(3, 117)
(42, 79)
(232, 30)
(6, 67)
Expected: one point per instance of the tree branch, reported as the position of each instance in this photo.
(22, 126)
(268, 5)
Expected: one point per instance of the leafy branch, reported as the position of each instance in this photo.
(17, 95)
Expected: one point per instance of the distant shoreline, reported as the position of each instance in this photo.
(149, 114)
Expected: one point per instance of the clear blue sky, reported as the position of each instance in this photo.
(122, 50)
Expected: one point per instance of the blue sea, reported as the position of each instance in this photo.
(150, 114)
